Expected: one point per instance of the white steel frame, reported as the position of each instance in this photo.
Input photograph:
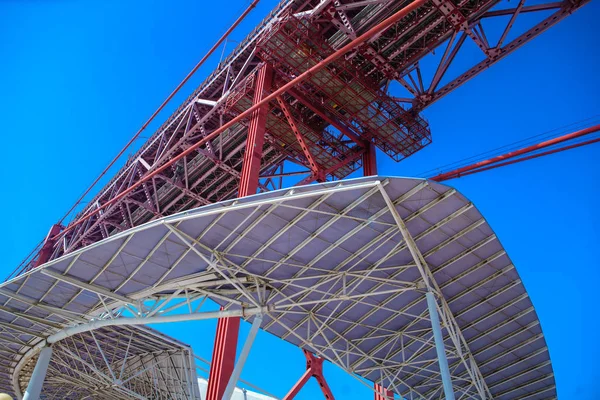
(252, 296)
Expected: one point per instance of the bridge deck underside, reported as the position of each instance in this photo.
(335, 110)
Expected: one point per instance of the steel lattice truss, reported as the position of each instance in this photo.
(335, 136)
(117, 363)
(340, 269)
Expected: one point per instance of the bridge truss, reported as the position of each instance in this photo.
(325, 126)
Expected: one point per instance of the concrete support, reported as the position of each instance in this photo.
(34, 388)
(439, 346)
(239, 366)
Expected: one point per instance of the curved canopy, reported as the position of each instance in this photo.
(338, 268)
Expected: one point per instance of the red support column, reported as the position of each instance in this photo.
(46, 250)
(223, 358)
(224, 351)
(256, 134)
(382, 393)
(314, 368)
(370, 160)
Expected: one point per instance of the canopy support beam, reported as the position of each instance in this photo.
(237, 371)
(461, 348)
(34, 388)
(439, 346)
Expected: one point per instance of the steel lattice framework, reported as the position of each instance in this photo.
(326, 124)
(116, 363)
(397, 281)
(340, 269)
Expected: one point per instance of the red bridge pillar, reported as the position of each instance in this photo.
(382, 393)
(47, 247)
(224, 350)
(256, 134)
(370, 160)
(223, 358)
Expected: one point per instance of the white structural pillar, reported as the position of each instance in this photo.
(34, 388)
(439, 345)
(237, 370)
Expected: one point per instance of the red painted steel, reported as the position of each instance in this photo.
(46, 251)
(545, 153)
(164, 103)
(325, 148)
(382, 393)
(342, 91)
(256, 134)
(314, 369)
(239, 118)
(370, 160)
(328, 118)
(502, 159)
(181, 168)
(223, 358)
(355, 157)
(224, 351)
(315, 168)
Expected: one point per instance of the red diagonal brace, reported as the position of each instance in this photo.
(314, 368)
(327, 118)
(290, 119)
(349, 159)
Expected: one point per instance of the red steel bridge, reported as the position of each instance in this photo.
(304, 95)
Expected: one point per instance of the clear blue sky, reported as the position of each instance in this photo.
(78, 78)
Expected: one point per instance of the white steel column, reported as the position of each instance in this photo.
(439, 345)
(237, 370)
(460, 344)
(34, 388)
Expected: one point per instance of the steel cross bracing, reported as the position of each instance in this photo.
(114, 363)
(399, 53)
(338, 269)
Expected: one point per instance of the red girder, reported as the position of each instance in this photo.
(48, 246)
(224, 351)
(246, 114)
(391, 49)
(370, 160)
(256, 134)
(516, 156)
(315, 168)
